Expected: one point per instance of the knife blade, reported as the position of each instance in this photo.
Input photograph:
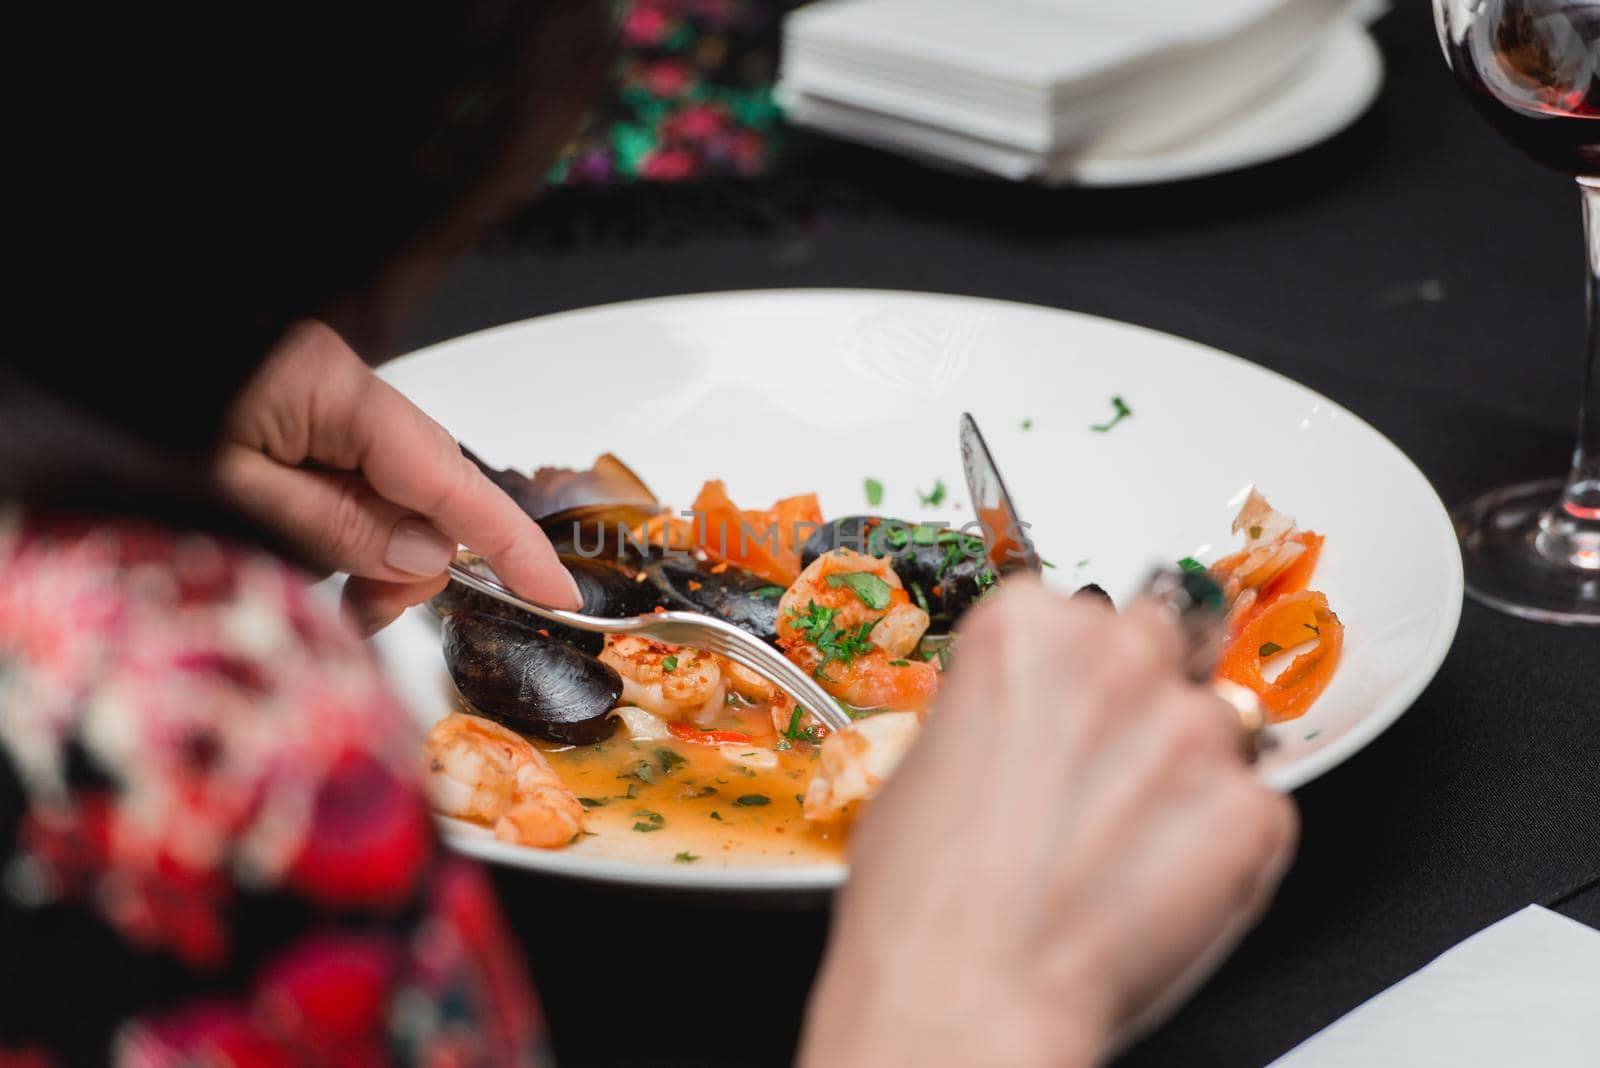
(1010, 546)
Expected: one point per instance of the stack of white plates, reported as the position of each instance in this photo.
(1050, 89)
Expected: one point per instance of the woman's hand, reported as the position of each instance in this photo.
(1070, 848)
(321, 449)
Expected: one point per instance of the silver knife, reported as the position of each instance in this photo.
(1010, 545)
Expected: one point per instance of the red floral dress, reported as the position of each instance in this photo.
(213, 848)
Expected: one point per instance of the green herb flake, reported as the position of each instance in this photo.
(752, 800)
(685, 858)
(1045, 563)
(1027, 424)
(934, 497)
(1120, 411)
(1312, 735)
(669, 760)
(898, 663)
(1269, 648)
(716, 815)
(646, 828)
(872, 590)
(593, 802)
(1189, 563)
(799, 799)
(874, 490)
(670, 664)
(768, 592)
(794, 723)
(653, 817)
(918, 596)
(1085, 562)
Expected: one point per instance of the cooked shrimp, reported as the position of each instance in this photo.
(827, 623)
(670, 681)
(855, 763)
(479, 770)
(897, 627)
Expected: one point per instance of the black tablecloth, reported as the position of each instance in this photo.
(1416, 270)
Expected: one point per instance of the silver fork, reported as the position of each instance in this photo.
(693, 629)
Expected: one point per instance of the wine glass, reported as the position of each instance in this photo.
(1532, 68)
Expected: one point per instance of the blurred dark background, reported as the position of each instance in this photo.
(1413, 268)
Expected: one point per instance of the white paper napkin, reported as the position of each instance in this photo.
(1523, 992)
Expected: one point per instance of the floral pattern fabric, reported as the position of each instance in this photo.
(690, 97)
(213, 847)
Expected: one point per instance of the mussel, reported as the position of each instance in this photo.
(532, 683)
(608, 589)
(582, 512)
(944, 570)
(746, 600)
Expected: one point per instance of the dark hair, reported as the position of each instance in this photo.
(267, 163)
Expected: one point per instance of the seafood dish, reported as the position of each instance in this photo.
(562, 736)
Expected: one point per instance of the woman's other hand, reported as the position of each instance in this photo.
(322, 450)
(1070, 848)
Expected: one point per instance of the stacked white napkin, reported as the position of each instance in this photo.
(1022, 88)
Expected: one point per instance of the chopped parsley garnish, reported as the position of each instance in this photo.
(768, 592)
(670, 664)
(794, 723)
(924, 534)
(898, 663)
(653, 817)
(872, 590)
(799, 799)
(1189, 563)
(1121, 411)
(918, 596)
(592, 802)
(1269, 648)
(874, 490)
(644, 771)
(1027, 424)
(834, 643)
(985, 579)
(646, 828)
(669, 760)
(716, 815)
(750, 800)
(934, 497)
(1086, 561)
(685, 858)
(1045, 563)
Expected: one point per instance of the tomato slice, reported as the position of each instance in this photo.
(766, 543)
(687, 733)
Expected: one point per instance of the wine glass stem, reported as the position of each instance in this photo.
(1571, 530)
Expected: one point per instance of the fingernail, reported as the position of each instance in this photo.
(417, 549)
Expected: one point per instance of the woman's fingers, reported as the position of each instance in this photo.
(315, 402)
(412, 461)
(335, 517)
(371, 604)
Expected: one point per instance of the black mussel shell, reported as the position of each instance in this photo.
(608, 589)
(747, 601)
(537, 685)
(943, 570)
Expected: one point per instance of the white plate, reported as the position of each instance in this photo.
(871, 382)
(1334, 87)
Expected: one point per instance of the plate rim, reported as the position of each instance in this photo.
(811, 878)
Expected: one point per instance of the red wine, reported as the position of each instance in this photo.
(1532, 67)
